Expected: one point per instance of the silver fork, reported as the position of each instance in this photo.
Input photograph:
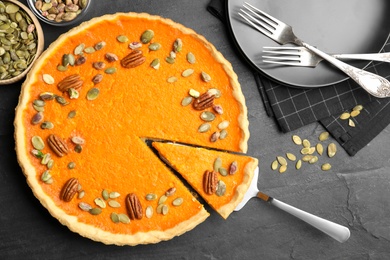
(282, 33)
(300, 56)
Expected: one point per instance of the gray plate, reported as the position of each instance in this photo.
(334, 26)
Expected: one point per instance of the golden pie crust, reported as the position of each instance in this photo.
(133, 105)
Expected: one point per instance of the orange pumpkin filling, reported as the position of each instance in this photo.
(130, 104)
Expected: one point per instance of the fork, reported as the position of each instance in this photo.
(282, 33)
(300, 56)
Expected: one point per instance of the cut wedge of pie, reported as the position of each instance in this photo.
(92, 99)
(221, 178)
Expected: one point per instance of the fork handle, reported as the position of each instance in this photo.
(385, 56)
(372, 83)
(334, 230)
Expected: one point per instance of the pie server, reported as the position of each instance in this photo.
(336, 231)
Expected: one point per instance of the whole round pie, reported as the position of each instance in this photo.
(92, 103)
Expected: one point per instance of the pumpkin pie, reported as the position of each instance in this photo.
(90, 102)
(221, 178)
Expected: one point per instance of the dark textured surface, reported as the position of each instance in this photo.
(355, 193)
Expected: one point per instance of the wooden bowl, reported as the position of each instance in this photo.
(39, 44)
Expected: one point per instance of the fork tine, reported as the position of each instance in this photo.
(292, 48)
(273, 19)
(294, 53)
(284, 57)
(261, 27)
(287, 63)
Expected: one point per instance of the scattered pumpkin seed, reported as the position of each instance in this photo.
(155, 46)
(218, 109)
(72, 114)
(217, 164)
(81, 194)
(306, 143)
(297, 140)
(159, 208)
(162, 199)
(357, 108)
(46, 96)
(323, 136)
(172, 79)
(48, 79)
(221, 188)
(110, 70)
(307, 157)
(47, 125)
(223, 134)
(170, 60)
(305, 150)
(291, 156)
(62, 68)
(37, 118)
(188, 72)
(100, 202)
(274, 165)
(345, 116)
(77, 140)
(71, 165)
(204, 128)
(233, 168)
(281, 160)
(37, 142)
(149, 211)
(78, 148)
(326, 167)
(50, 164)
(223, 125)
(122, 38)
(207, 116)
(312, 150)
(93, 93)
(46, 176)
(105, 194)
(89, 50)
(123, 218)
(114, 217)
(155, 64)
(61, 100)
(298, 165)
(216, 92)
(68, 59)
(45, 159)
(332, 149)
(355, 113)
(319, 148)
(282, 168)
(114, 195)
(79, 49)
(205, 77)
(114, 204)
(178, 45)
(193, 93)
(135, 45)
(191, 58)
(164, 209)
(73, 93)
(351, 123)
(147, 36)
(314, 159)
(95, 211)
(150, 196)
(214, 137)
(177, 202)
(223, 171)
(85, 206)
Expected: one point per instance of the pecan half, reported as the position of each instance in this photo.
(58, 145)
(133, 206)
(133, 59)
(210, 181)
(69, 189)
(72, 81)
(204, 101)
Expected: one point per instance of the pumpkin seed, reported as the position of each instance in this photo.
(79, 49)
(73, 93)
(281, 160)
(149, 211)
(159, 208)
(323, 136)
(72, 114)
(48, 79)
(218, 109)
(297, 140)
(355, 113)
(193, 93)
(205, 77)
(105, 194)
(351, 123)
(71, 165)
(95, 211)
(307, 157)
(150, 196)
(81, 194)
(223, 171)
(204, 128)
(39, 103)
(214, 136)
(46, 158)
(188, 72)
(274, 165)
(178, 45)
(50, 164)
(170, 60)
(291, 156)
(114, 195)
(47, 96)
(155, 46)
(78, 148)
(46, 176)
(357, 108)
(305, 150)
(221, 188)
(155, 64)
(164, 209)
(298, 164)
(186, 101)
(89, 50)
(114, 204)
(306, 143)
(314, 159)
(61, 100)
(93, 93)
(216, 92)
(332, 149)
(191, 58)
(207, 116)
(110, 70)
(47, 125)
(114, 217)
(111, 57)
(282, 168)
(217, 164)
(177, 202)
(77, 140)
(85, 206)
(123, 218)
(162, 199)
(147, 36)
(100, 202)
(319, 148)
(172, 79)
(122, 38)
(223, 125)
(345, 116)
(37, 142)
(135, 45)
(233, 168)
(62, 68)
(326, 167)
(223, 134)
(68, 59)
(37, 118)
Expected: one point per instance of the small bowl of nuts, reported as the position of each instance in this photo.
(59, 12)
(21, 38)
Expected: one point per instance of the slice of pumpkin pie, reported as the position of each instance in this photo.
(221, 178)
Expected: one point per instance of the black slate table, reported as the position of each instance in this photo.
(354, 193)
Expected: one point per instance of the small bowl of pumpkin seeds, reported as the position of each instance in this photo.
(59, 12)
(21, 41)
